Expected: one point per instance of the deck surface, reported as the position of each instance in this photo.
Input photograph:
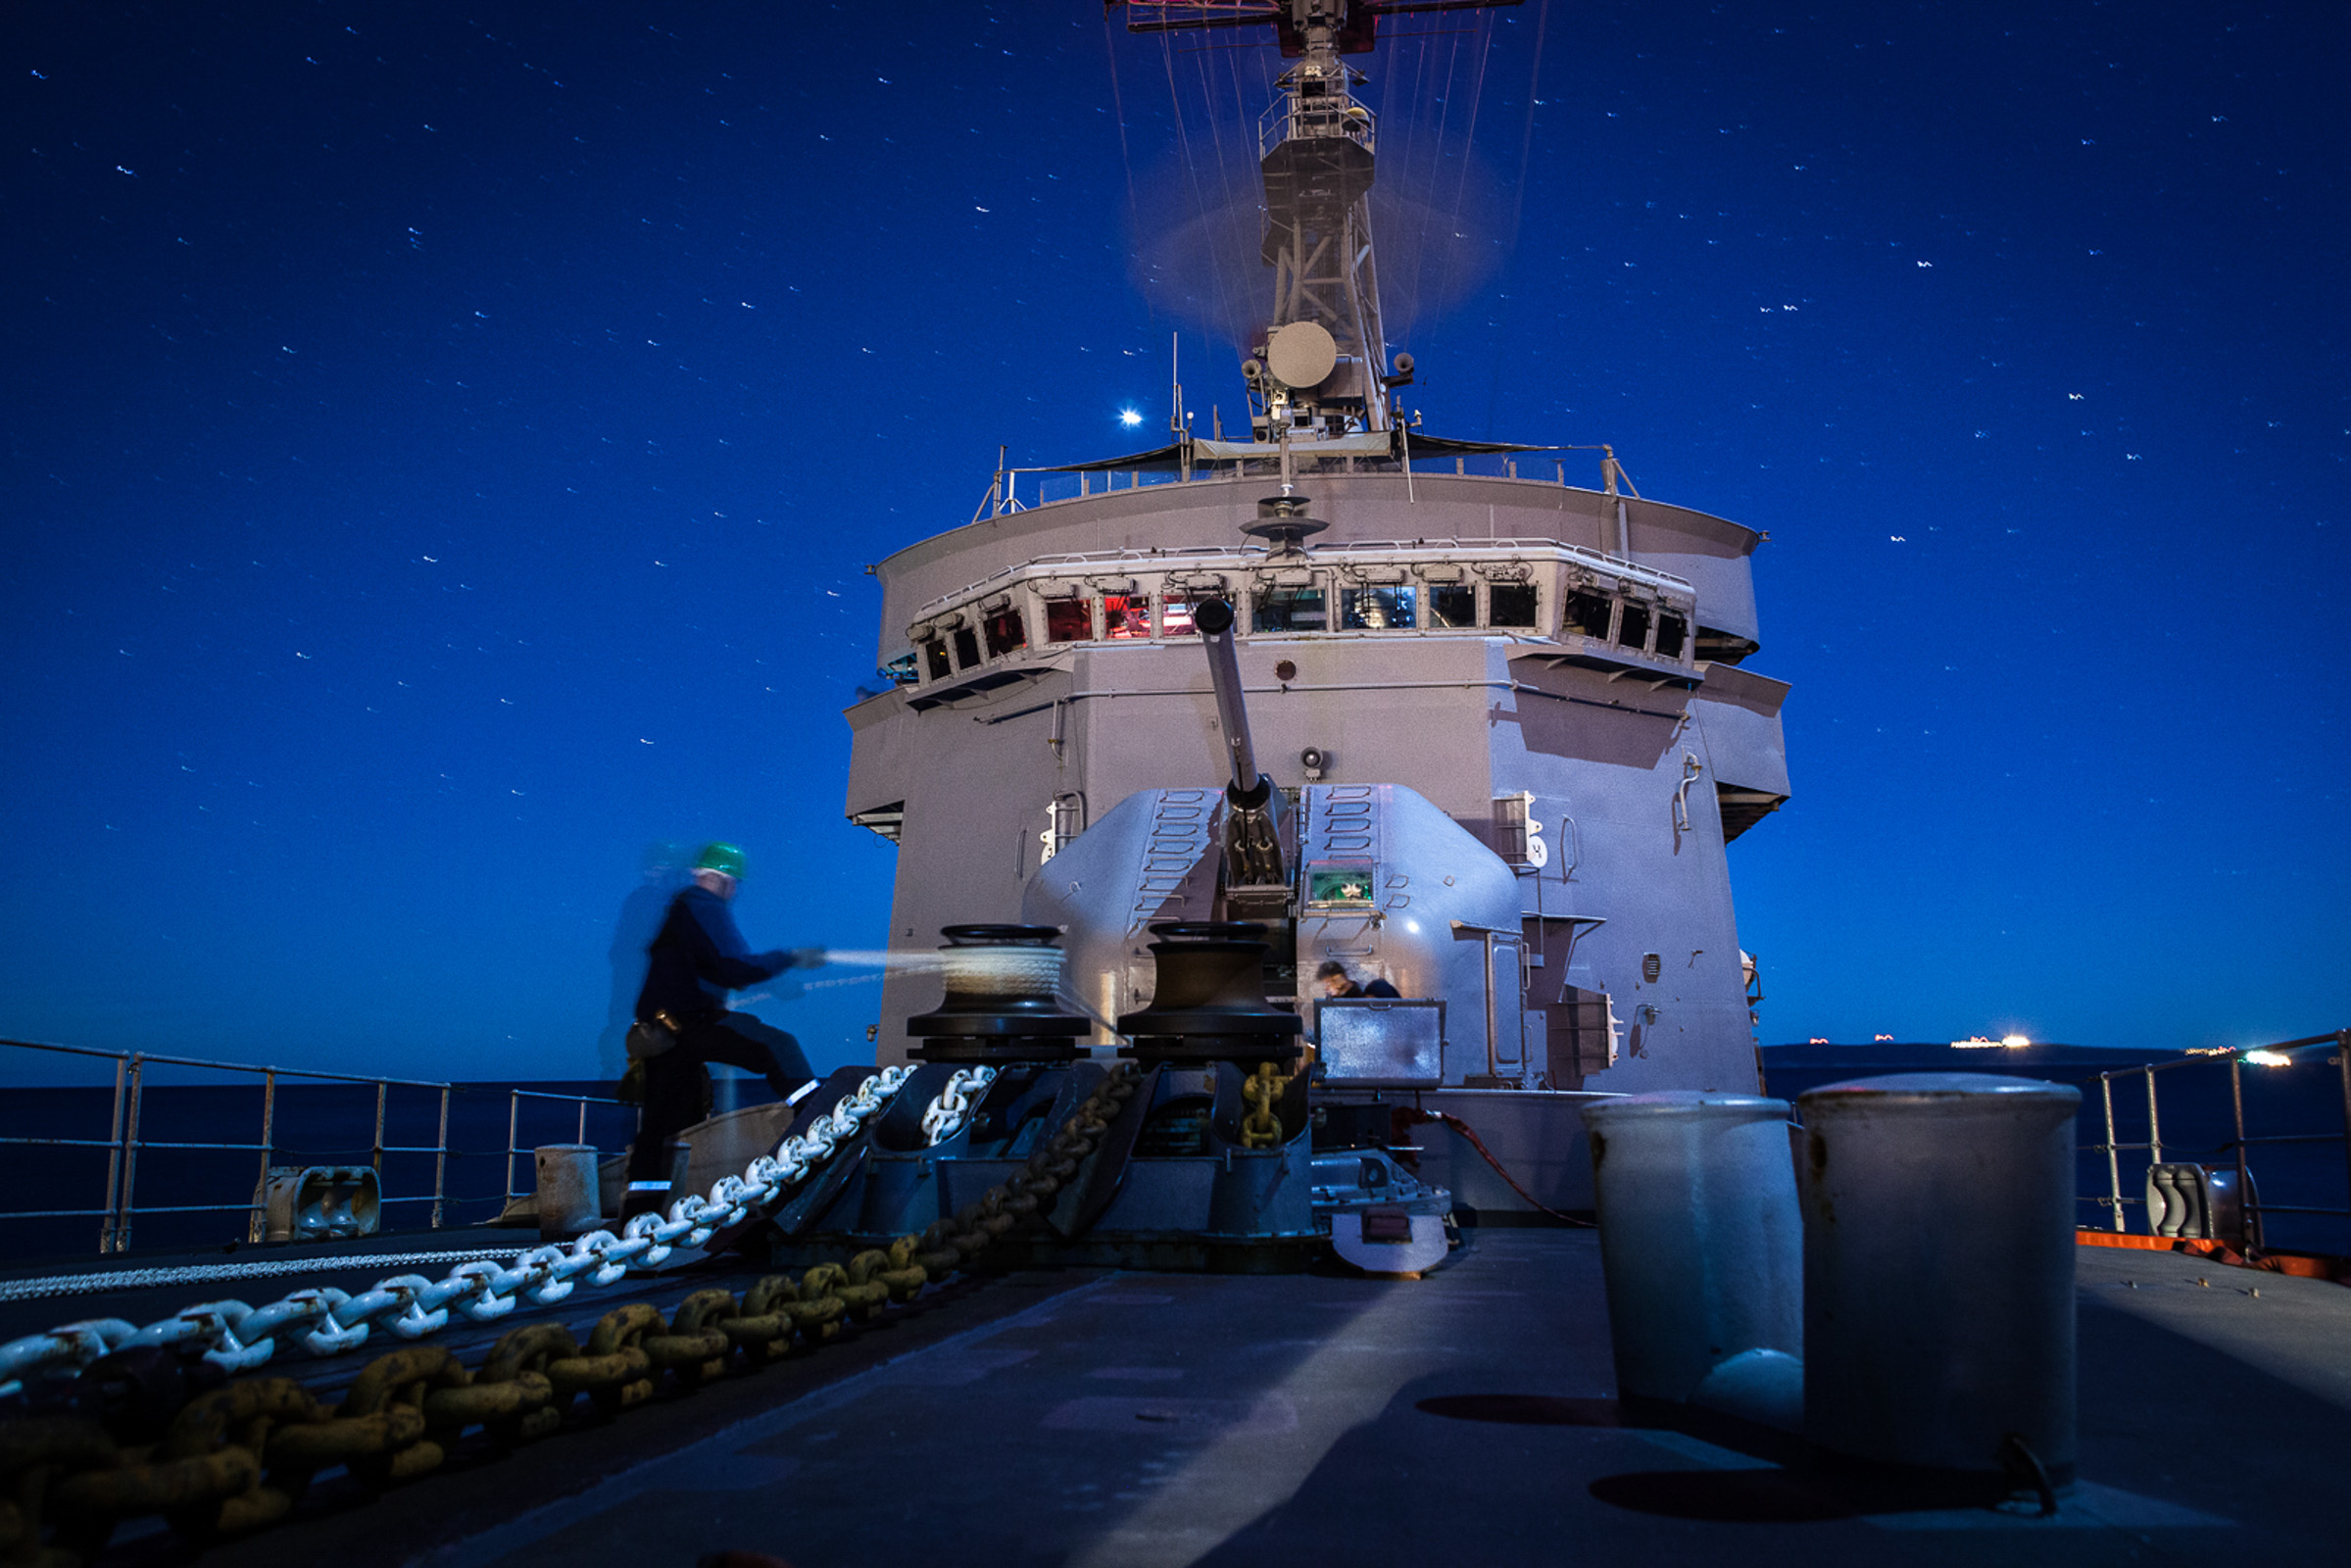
(1088, 1417)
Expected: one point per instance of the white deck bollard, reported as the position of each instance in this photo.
(1938, 1276)
(1701, 1246)
(569, 1204)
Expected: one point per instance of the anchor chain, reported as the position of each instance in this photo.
(237, 1338)
(232, 1460)
(952, 1243)
(1262, 1128)
(946, 1113)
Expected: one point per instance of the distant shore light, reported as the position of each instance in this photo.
(2269, 1058)
(2015, 1042)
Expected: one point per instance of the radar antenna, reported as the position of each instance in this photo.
(1319, 367)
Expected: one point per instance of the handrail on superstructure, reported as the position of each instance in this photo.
(1191, 465)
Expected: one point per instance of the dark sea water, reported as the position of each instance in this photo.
(2192, 1103)
(335, 1124)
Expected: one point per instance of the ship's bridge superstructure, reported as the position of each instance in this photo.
(1595, 610)
(1482, 737)
(1557, 670)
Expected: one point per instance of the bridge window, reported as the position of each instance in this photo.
(1126, 616)
(1376, 609)
(1510, 604)
(1069, 621)
(967, 648)
(934, 659)
(1291, 609)
(1672, 632)
(1587, 613)
(1004, 633)
(1452, 604)
(1175, 613)
(1633, 631)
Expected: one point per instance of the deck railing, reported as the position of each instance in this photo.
(125, 1141)
(514, 1114)
(2264, 1058)
(1045, 485)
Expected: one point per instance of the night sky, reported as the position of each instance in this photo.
(442, 445)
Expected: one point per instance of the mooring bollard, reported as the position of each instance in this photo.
(1700, 1245)
(568, 1201)
(1938, 1278)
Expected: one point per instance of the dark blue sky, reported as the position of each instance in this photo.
(442, 446)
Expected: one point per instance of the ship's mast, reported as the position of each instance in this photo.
(1321, 365)
(1318, 366)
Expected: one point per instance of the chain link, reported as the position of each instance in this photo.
(947, 1113)
(238, 1337)
(1262, 1128)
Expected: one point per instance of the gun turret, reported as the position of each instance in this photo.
(1256, 880)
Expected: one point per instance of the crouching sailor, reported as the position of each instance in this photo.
(683, 1024)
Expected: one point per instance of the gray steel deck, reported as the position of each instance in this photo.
(1088, 1417)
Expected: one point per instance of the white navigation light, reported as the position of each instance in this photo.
(1129, 417)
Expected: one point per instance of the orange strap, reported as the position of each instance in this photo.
(1406, 1117)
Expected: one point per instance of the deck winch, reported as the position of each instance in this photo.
(1259, 1126)
(1000, 1004)
(1209, 1005)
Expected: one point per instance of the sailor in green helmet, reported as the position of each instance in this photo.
(684, 1022)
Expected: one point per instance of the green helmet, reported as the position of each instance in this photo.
(724, 858)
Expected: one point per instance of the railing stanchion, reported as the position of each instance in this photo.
(130, 1152)
(2154, 1126)
(382, 1089)
(440, 1161)
(257, 1224)
(2114, 1171)
(2342, 1062)
(113, 1164)
(2236, 1101)
(514, 1122)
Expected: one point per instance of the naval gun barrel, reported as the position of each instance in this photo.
(1252, 839)
(1213, 618)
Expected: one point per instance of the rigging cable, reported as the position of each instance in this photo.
(1224, 181)
(1175, 100)
(1526, 145)
(1119, 112)
(1469, 141)
(1253, 198)
(1518, 207)
(1421, 267)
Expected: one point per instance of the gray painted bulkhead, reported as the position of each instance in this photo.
(1624, 773)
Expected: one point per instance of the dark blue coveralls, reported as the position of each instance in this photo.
(697, 958)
